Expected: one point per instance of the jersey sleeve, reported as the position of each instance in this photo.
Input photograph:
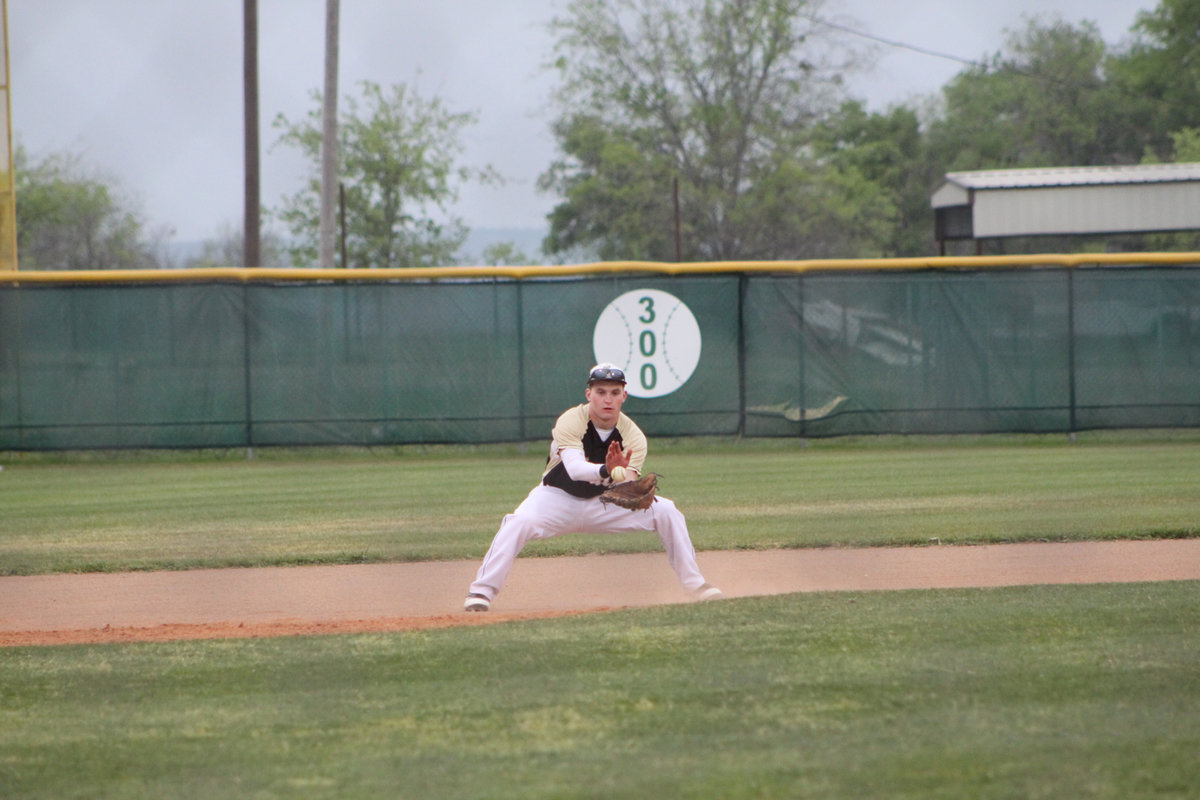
(567, 434)
(578, 467)
(569, 430)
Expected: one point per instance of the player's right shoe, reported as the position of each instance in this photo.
(476, 602)
(706, 592)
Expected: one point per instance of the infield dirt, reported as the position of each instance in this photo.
(290, 601)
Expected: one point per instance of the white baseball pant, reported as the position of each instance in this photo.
(549, 511)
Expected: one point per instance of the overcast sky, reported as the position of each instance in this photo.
(149, 92)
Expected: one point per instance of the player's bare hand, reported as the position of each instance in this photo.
(615, 457)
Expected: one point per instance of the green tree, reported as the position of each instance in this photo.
(719, 95)
(1186, 144)
(618, 195)
(1042, 102)
(67, 218)
(1159, 74)
(1047, 100)
(887, 151)
(397, 154)
(506, 254)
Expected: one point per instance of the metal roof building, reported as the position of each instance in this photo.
(1067, 201)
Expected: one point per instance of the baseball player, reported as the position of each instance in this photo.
(593, 446)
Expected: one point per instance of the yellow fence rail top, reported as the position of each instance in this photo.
(274, 275)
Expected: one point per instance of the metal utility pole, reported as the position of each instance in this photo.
(678, 236)
(251, 229)
(329, 148)
(8, 195)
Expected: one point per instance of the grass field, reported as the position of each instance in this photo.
(1042, 692)
(1030, 692)
(148, 511)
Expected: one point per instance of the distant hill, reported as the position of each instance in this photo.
(526, 240)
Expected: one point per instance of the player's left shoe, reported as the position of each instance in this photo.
(476, 602)
(706, 592)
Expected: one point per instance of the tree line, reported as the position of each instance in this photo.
(696, 131)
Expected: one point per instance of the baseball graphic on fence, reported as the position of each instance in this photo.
(653, 336)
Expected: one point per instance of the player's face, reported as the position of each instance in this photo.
(605, 399)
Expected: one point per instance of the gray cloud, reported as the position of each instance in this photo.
(150, 91)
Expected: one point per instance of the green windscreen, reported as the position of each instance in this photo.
(224, 364)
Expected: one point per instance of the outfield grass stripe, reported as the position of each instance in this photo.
(176, 511)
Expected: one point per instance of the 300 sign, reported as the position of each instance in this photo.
(654, 336)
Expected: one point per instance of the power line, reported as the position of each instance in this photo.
(1014, 69)
(894, 43)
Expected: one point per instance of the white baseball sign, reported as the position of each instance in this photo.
(653, 336)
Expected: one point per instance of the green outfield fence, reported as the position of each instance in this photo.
(258, 357)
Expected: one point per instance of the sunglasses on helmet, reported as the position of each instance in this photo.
(606, 374)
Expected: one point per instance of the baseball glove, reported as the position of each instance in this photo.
(633, 495)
